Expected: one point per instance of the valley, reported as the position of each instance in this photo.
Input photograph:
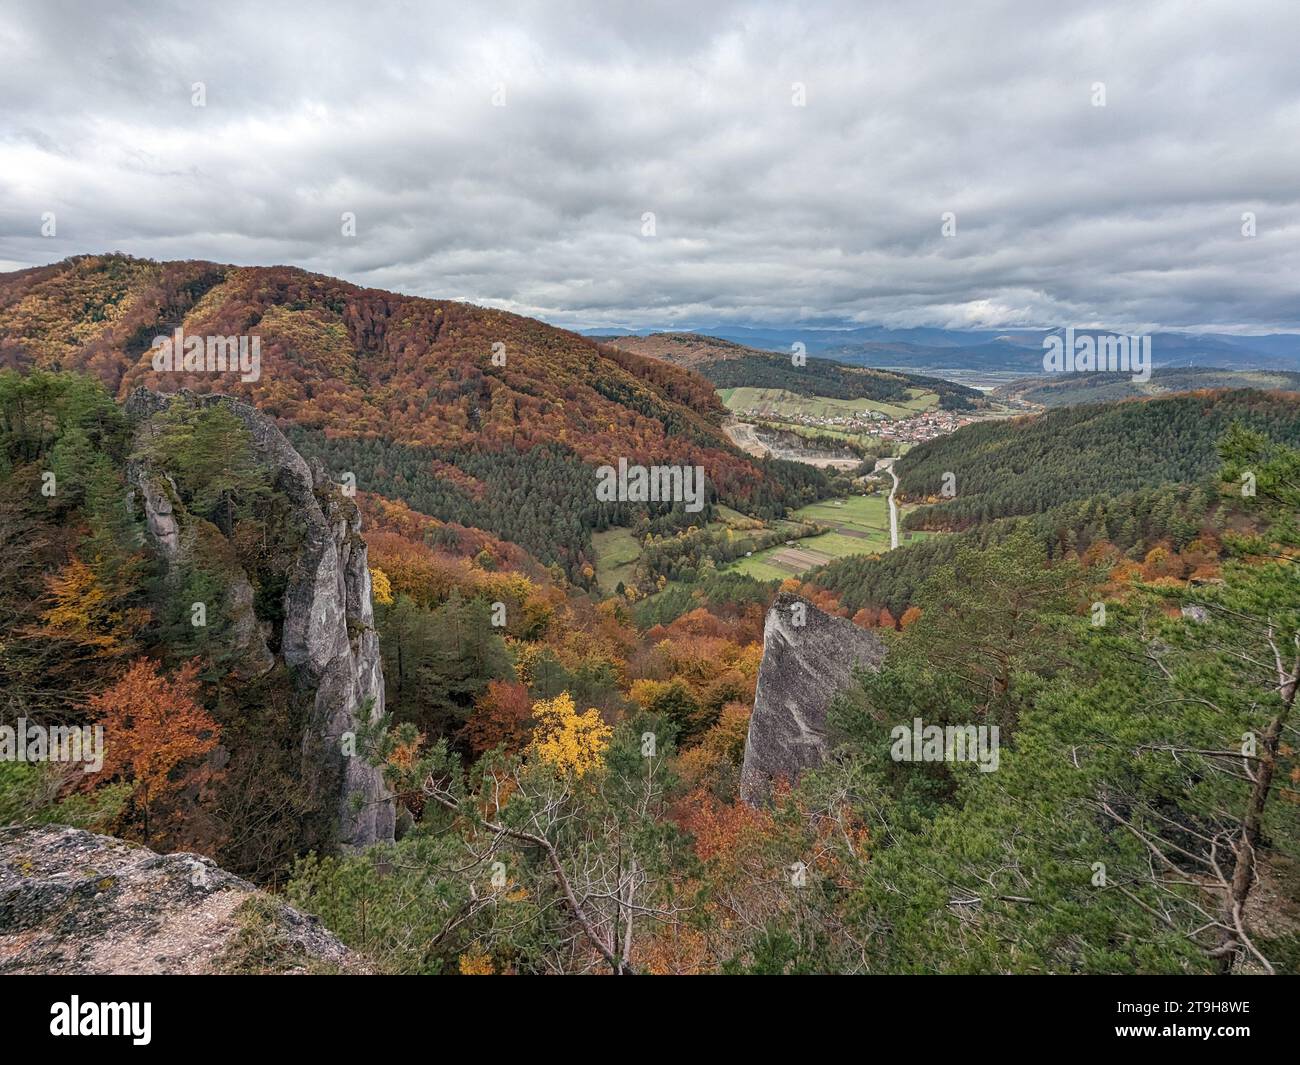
(840, 411)
(856, 525)
(1100, 387)
(492, 614)
(746, 489)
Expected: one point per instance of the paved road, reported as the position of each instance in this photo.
(888, 464)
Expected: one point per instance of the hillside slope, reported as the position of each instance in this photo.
(1064, 391)
(1030, 464)
(730, 365)
(357, 361)
(1113, 480)
(398, 388)
(692, 350)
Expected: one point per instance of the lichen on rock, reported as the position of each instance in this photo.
(72, 902)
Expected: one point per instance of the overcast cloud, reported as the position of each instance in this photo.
(1127, 215)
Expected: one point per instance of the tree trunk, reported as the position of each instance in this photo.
(1243, 873)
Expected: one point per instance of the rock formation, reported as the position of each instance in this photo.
(72, 902)
(808, 657)
(327, 637)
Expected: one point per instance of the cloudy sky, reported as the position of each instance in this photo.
(510, 154)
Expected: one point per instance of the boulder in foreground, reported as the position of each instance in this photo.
(72, 902)
(808, 658)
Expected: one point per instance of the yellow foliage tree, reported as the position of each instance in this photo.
(87, 611)
(570, 742)
(81, 606)
(645, 691)
(381, 588)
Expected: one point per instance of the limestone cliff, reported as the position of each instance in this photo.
(72, 902)
(808, 657)
(326, 636)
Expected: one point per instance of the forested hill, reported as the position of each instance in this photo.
(1028, 465)
(1125, 479)
(436, 399)
(356, 361)
(824, 377)
(730, 365)
(1064, 390)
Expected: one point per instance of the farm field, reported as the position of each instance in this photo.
(781, 405)
(860, 525)
(867, 514)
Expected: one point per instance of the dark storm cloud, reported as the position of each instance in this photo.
(1127, 215)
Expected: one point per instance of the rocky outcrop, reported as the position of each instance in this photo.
(72, 902)
(809, 656)
(327, 637)
(179, 542)
(156, 495)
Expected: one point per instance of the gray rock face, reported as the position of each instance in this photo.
(159, 516)
(808, 658)
(328, 637)
(72, 902)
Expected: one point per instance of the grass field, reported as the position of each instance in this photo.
(618, 549)
(779, 404)
(860, 526)
(616, 553)
(868, 514)
(735, 518)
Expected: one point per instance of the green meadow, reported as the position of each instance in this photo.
(781, 405)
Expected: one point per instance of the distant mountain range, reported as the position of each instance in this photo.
(1018, 351)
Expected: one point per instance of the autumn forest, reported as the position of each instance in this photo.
(562, 757)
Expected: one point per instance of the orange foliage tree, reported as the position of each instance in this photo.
(153, 727)
(503, 716)
(867, 618)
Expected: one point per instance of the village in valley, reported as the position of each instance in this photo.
(865, 426)
(914, 429)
